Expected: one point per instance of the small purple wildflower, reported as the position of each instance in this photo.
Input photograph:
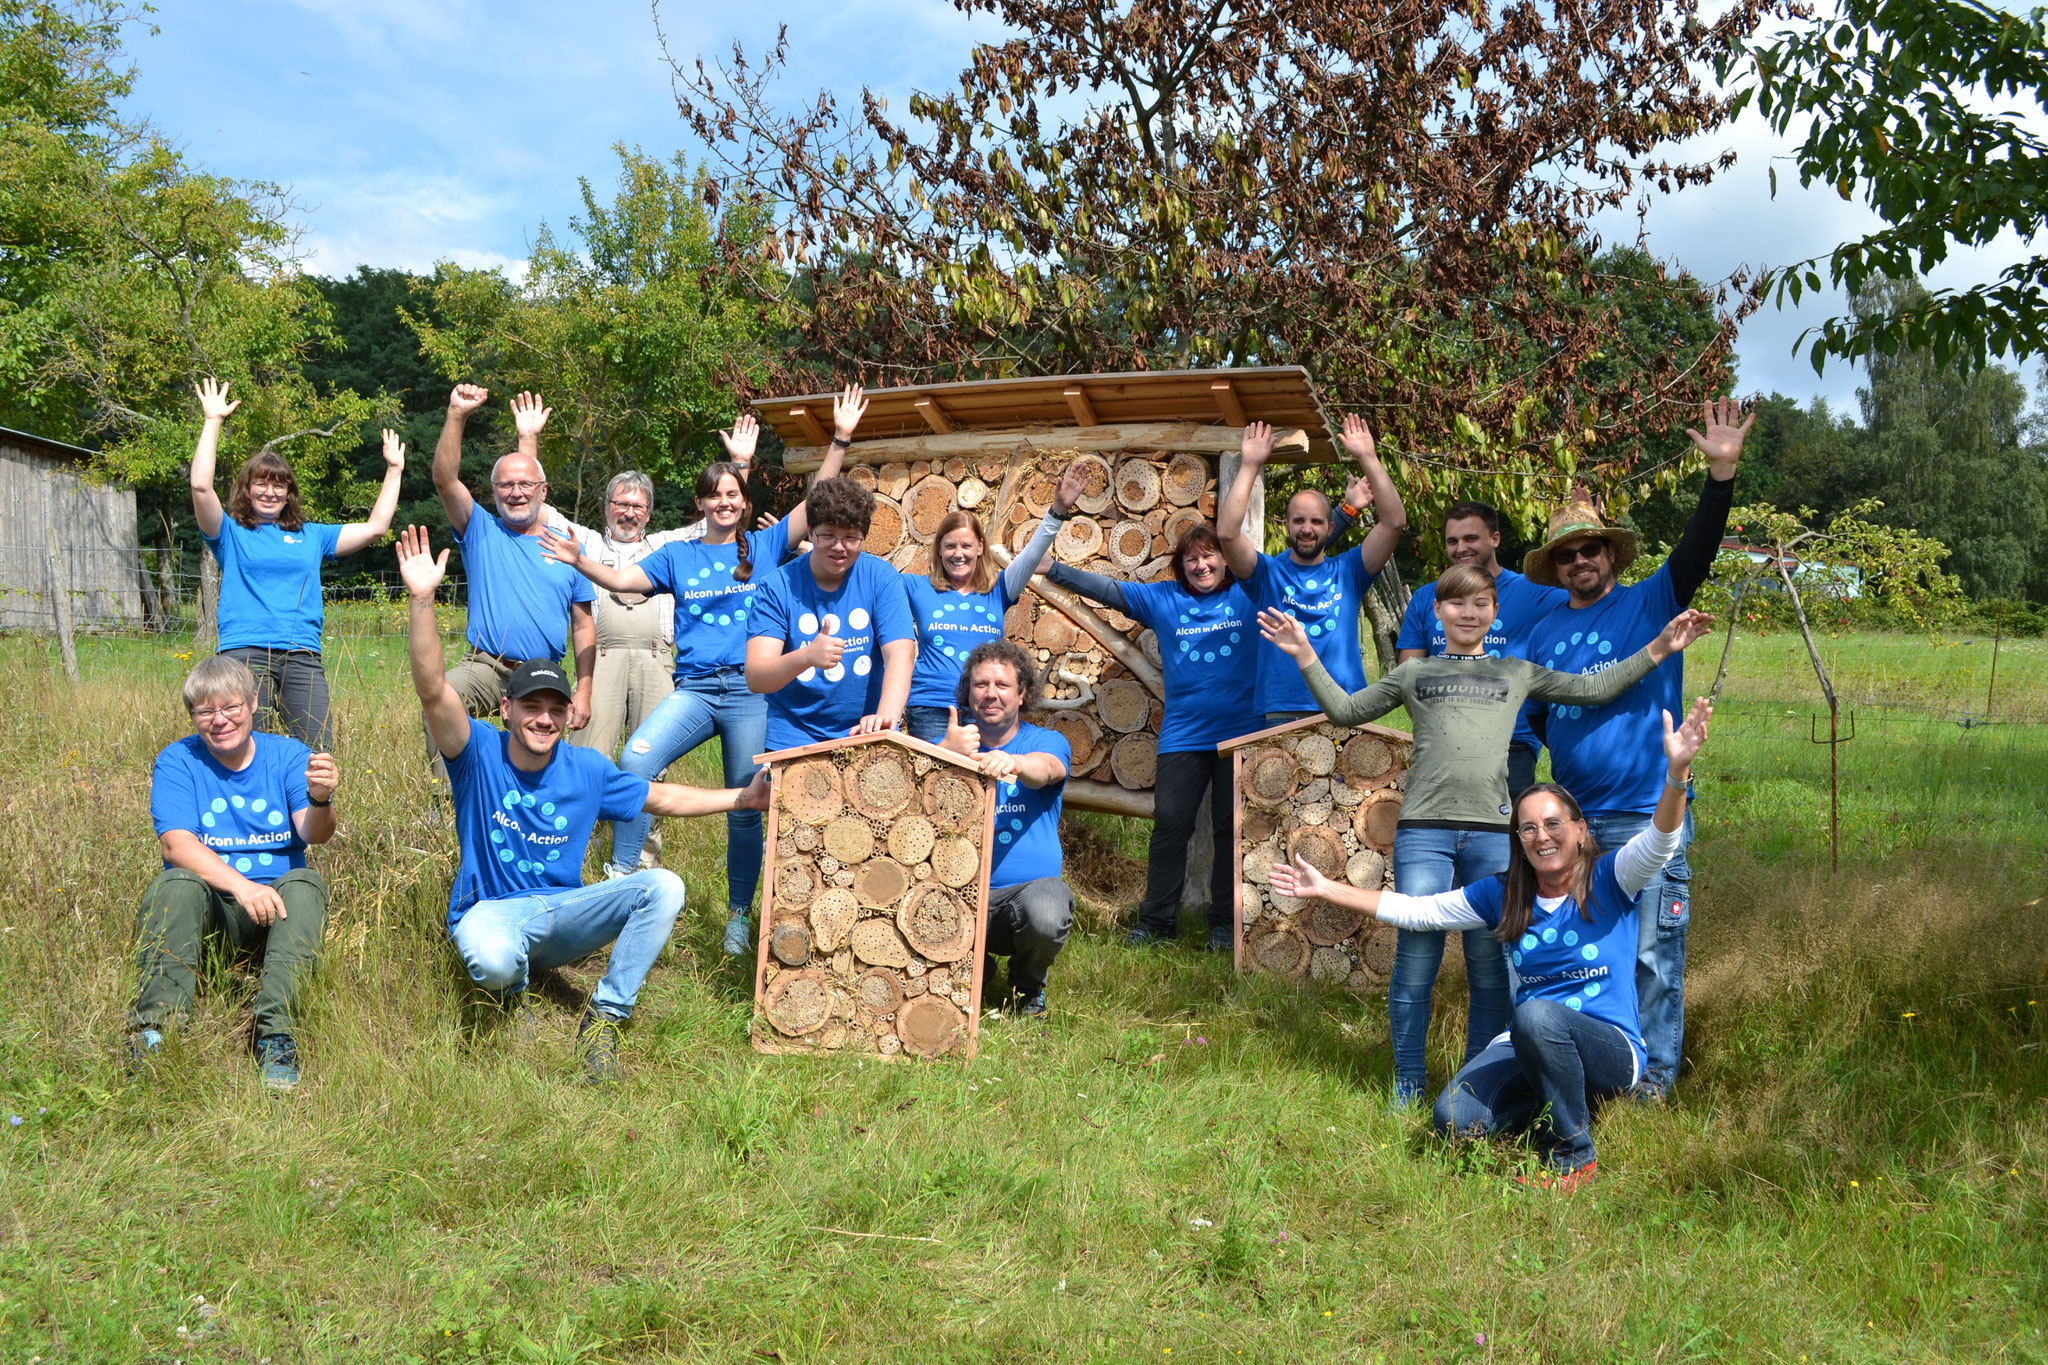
(14, 1120)
(1203, 1041)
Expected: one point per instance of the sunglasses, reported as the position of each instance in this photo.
(1567, 554)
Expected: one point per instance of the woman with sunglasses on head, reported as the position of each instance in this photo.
(961, 603)
(1203, 620)
(271, 613)
(1566, 912)
(712, 580)
(1463, 705)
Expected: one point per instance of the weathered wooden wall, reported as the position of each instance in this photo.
(95, 525)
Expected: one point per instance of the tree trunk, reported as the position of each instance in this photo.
(1386, 601)
(206, 636)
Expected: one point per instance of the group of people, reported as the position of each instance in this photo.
(785, 633)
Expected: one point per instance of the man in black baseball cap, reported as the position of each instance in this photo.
(525, 805)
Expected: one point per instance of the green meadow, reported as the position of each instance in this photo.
(1176, 1165)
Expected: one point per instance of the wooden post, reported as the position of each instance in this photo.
(206, 635)
(60, 604)
(1997, 632)
(152, 609)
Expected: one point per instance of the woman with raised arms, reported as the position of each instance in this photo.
(1204, 623)
(271, 612)
(1454, 816)
(712, 580)
(962, 601)
(1566, 912)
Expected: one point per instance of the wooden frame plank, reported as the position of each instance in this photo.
(1227, 404)
(808, 424)
(934, 416)
(1078, 404)
(1291, 446)
(1304, 723)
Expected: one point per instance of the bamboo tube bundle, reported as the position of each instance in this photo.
(878, 873)
(1296, 798)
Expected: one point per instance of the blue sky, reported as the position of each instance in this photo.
(412, 131)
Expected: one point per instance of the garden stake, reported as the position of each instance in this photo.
(1997, 630)
(1834, 743)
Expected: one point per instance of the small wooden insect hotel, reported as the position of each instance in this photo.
(1331, 796)
(1152, 449)
(876, 897)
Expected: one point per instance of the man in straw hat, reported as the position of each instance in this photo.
(1598, 753)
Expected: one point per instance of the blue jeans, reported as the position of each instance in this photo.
(1664, 911)
(927, 723)
(1555, 1065)
(685, 718)
(1427, 861)
(502, 942)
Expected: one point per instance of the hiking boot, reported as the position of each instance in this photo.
(599, 1038)
(142, 1047)
(1141, 937)
(1222, 939)
(522, 1013)
(277, 1060)
(1028, 1004)
(739, 935)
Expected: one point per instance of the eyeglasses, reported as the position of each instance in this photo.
(834, 538)
(522, 486)
(1585, 549)
(1554, 826)
(624, 506)
(206, 715)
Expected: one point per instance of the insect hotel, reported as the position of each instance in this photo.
(876, 899)
(1154, 447)
(1330, 796)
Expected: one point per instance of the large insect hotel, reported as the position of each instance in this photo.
(876, 899)
(1154, 446)
(1330, 796)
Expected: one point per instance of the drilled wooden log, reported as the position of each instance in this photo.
(834, 912)
(1177, 525)
(929, 1026)
(937, 923)
(881, 883)
(811, 791)
(1269, 776)
(1325, 924)
(862, 474)
(796, 881)
(1316, 754)
(1281, 950)
(910, 839)
(1082, 733)
(954, 860)
(1037, 494)
(1135, 761)
(1366, 868)
(885, 532)
(796, 1003)
(1368, 758)
(952, 799)
(1054, 631)
(1096, 492)
(880, 783)
(876, 942)
(892, 480)
(973, 494)
(1185, 478)
(1137, 484)
(926, 506)
(1377, 818)
(849, 839)
(1123, 705)
(1321, 847)
(1128, 545)
(1078, 540)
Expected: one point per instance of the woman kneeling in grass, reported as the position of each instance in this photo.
(1568, 914)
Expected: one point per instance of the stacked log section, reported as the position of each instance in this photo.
(873, 904)
(885, 532)
(892, 480)
(1079, 540)
(1097, 494)
(1129, 545)
(927, 503)
(1299, 795)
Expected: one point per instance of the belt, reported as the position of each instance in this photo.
(508, 664)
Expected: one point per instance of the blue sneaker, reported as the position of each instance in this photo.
(1142, 937)
(142, 1047)
(739, 933)
(1222, 939)
(1405, 1099)
(277, 1058)
(1029, 1005)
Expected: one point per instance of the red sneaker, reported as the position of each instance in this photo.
(1560, 1182)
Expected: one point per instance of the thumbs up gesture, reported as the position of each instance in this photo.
(961, 739)
(824, 650)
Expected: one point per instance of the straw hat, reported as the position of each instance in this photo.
(1574, 520)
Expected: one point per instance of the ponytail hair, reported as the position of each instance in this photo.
(707, 485)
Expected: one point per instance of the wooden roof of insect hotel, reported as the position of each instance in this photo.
(1194, 410)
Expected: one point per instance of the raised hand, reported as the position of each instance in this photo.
(1257, 446)
(1297, 879)
(765, 520)
(464, 399)
(1358, 493)
(529, 418)
(847, 409)
(1722, 443)
(1072, 484)
(1683, 743)
(323, 775)
(213, 400)
(739, 443)
(394, 449)
(1282, 630)
(1358, 439)
(961, 739)
(824, 650)
(560, 548)
(417, 564)
(1685, 628)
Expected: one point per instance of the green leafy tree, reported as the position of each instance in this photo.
(1925, 107)
(634, 332)
(126, 275)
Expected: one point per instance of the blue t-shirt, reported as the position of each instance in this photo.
(1207, 650)
(711, 605)
(524, 832)
(270, 583)
(1611, 758)
(518, 597)
(949, 626)
(1589, 966)
(1326, 598)
(245, 817)
(867, 611)
(1521, 604)
(1028, 818)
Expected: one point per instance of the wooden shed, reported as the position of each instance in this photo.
(1160, 446)
(875, 904)
(44, 489)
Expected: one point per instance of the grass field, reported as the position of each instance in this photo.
(1176, 1165)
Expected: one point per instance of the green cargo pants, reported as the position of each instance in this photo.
(179, 911)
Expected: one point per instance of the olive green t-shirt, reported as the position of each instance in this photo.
(1463, 708)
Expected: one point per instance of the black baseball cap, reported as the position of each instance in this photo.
(538, 675)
